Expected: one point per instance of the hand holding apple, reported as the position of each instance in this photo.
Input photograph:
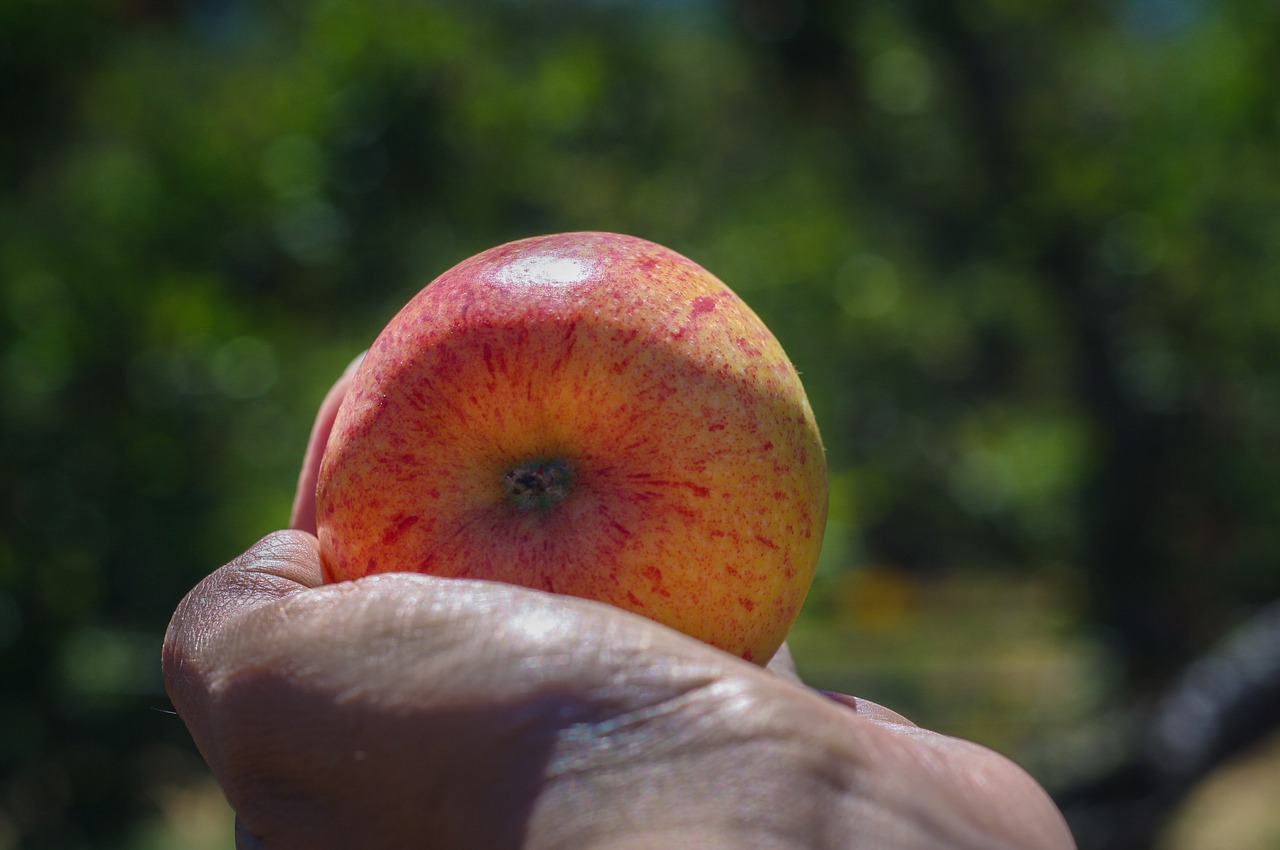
(404, 708)
(589, 414)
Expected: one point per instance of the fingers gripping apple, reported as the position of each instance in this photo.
(589, 414)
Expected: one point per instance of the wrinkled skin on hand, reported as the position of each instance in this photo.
(404, 710)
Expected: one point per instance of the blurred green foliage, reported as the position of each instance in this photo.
(1024, 253)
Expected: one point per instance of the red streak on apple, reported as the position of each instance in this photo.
(592, 414)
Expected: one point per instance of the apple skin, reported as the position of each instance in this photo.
(681, 471)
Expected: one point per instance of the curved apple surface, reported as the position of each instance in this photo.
(589, 414)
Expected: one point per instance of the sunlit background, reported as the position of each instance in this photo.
(1023, 252)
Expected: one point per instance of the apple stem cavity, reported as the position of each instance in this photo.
(538, 486)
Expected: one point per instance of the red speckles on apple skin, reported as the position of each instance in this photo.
(696, 489)
(682, 415)
(654, 575)
(400, 524)
(702, 304)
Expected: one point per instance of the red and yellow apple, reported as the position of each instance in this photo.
(589, 414)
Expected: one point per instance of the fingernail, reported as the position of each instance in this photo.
(843, 699)
(355, 364)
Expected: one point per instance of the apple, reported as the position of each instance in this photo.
(589, 414)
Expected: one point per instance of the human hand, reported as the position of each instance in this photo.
(405, 710)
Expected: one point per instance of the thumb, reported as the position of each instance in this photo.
(304, 500)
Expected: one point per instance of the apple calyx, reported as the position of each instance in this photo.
(538, 485)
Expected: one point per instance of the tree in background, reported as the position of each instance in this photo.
(1022, 252)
